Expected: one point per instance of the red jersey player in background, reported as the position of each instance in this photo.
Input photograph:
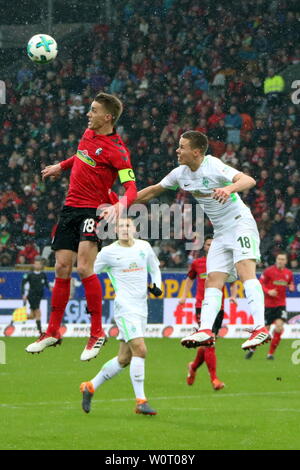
(100, 157)
(204, 353)
(275, 280)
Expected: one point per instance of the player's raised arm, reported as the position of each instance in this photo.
(240, 182)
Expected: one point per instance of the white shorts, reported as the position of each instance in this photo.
(233, 245)
(130, 327)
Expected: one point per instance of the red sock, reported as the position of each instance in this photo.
(211, 361)
(59, 300)
(93, 293)
(199, 359)
(275, 341)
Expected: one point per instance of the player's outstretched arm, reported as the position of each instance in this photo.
(56, 170)
(149, 193)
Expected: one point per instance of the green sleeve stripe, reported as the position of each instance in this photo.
(173, 188)
(126, 175)
(233, 196)
(112, 279)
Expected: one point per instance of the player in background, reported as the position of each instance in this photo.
(235, 247)
(127, 262)
(33, 285)
(204, 353)
(100, 157)
(275, 280)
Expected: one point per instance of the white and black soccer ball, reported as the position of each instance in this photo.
(42, 48)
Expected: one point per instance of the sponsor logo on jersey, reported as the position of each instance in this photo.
(132, 267)
(280, 283)
(84, 157)
(98, 151)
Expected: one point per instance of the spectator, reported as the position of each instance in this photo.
(233, 123)
(273, 88)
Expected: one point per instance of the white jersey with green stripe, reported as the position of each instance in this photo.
(211, 174)
(128, 268)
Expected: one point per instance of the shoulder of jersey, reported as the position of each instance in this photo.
(108, 248)
(142, 243)
(88, 133)
(210, 159)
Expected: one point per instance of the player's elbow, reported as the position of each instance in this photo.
(252, 182)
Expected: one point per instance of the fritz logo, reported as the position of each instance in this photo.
(184, 314)
(98, 151)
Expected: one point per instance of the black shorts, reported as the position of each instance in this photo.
(218, 321)
(76, 224)
(34, 302)
(275, 313)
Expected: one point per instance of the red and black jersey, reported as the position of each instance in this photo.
(198, 270)
(279, 279)
(98, 161)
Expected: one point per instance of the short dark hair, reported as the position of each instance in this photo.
(209, 236)
(197, 140)
(112, 104)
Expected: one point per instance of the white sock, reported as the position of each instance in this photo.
(108, 371)
(256, 301)
(211, 306)
(137, 375)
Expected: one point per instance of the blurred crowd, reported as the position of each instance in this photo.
(216, 67)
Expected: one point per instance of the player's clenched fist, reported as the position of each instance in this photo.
(221, 194)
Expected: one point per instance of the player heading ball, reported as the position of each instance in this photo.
(101, 157)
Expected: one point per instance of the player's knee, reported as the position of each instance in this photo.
(63, 270)
(213, 280)
(84, 270)
(139, 350)
(124, 360)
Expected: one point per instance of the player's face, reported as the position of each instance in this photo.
(37, 266)
(281, 261)
(186, 155)
(126, 229)
(206, 245)
(98, 116)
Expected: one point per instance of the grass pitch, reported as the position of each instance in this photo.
(40, 403)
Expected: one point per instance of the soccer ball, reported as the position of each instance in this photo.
(42, 48)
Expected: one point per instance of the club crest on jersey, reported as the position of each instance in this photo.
(142, 254)
(84, 156)
(205, 182)
(98, 151)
